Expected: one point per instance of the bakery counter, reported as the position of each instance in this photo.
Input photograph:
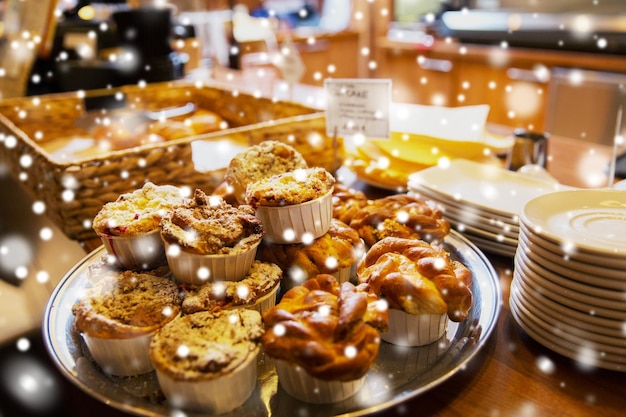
(511, 375)
(520, 84)
(452, 48)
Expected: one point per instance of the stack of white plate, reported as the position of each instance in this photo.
(481, 201)
(569, 284)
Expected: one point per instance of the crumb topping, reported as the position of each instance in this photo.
(261, 161)
(127, 304)
(206, 345)
(294, 187)
(262, 278)
(137, 212)
(209, 225)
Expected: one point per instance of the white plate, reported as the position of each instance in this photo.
(389, 382)
(493, 226)
(529, 292)
(589, 279)
(568, 299)
(581, 354)
(461, 205)
(591, 219)
(499, 238)
(605, 333)
(576, 336)
(491, 246)
(617, 274)
(493, 189)
(471, 218)
(572, 252)
(607, 294)
(567, 245)
(583, 298)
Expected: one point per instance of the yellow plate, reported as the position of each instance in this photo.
(428, 150)
(375, 167)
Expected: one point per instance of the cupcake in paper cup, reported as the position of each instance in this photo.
(406, 329)
(141, 252)
(207, 361)
(423, 287)
(260, 161)
(336, 253)
(257, 291)
(323, 338)
(207, 239)
(118, 316)
(294, 206)
(295, 380)
(129, 226)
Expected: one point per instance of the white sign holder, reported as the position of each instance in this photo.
(357, 107)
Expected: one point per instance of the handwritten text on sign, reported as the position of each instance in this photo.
(358, 106)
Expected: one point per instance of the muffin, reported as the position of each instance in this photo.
(207, 361)
(129, 226)
(323, 337)
(295, 206)
(120, 313)
(261, 161)
(208, 239)
(256, 291)
(334, 253)
(422, 285)
(402, 216)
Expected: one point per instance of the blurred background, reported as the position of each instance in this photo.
(519, 56)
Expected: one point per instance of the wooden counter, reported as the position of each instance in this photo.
(451, 48)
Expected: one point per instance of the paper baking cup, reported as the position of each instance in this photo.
(343, 274)
(414, 330)
(140, 252)
(304, 387)
(195, 269)
(297, 223)
(212, 396)
(265, 302)
(289, 281)
(121, 357)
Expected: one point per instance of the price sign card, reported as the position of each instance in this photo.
(358, 106)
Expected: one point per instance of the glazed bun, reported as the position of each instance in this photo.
(347, 202)
(315, 322)
(399, 215)
(341, 244)
(432, 263)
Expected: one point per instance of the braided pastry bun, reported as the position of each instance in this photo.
(416, 276)
(346, 202)
(316, 323)
(339, 248)
(399, 215)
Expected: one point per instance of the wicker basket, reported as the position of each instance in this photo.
(74, 192)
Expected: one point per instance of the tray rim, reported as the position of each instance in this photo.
(483, 330)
